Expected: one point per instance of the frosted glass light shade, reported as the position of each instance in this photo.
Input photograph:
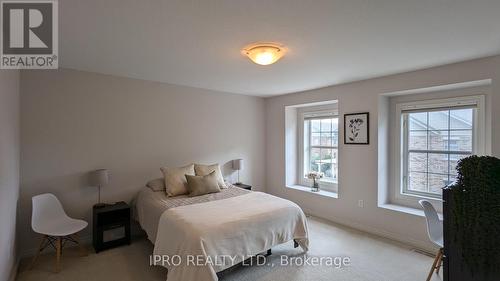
(264, 53)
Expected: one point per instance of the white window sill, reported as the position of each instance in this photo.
(306, 189)
(407, 210)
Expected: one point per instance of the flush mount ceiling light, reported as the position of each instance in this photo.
(264, 53)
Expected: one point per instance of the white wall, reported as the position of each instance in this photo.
(358, 170)
(73, 122)
(9, 169)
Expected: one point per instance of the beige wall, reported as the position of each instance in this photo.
(358, 170)
(9, 169)
(73, 122)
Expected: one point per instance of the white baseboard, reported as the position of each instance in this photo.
(86, 240)
(414, 243)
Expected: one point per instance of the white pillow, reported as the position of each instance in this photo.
(203, 170)
(175, 179)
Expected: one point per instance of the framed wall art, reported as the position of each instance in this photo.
(357, 128)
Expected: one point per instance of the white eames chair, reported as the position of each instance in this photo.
(435, 232)
(50, 220)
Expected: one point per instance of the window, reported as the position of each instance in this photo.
(320, 147)
(435, 137)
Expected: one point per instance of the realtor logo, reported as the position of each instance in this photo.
(29, 35)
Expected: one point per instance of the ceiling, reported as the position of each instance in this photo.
(197, 43)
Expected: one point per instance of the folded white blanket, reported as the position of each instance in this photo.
(237, 227)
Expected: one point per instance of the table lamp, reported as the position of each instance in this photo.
(237, 166)
(99, 178)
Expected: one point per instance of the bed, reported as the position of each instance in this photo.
(213, 232)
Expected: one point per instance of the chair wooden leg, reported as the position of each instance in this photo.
(58, 254)
(434, 265)
(42, 240)
(440, 261)
(83, 251)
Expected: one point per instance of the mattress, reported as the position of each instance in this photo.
(150, 205)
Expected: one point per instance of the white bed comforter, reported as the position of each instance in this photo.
(236, 227)
(150, 205)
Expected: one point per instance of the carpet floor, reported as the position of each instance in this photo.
(371, 259)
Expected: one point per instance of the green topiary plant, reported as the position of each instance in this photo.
(476, 211)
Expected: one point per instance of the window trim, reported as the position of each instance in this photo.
(304, 114)
(478, 141)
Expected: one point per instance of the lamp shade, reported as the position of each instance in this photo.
(99, 177)
(238, 164)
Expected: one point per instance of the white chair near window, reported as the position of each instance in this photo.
(50, 220)
(435, 232)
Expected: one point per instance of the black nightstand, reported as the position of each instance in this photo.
(244, 186)
(111, 226)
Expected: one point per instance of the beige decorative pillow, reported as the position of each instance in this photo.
(156, 184)
(175, 179)
(200, 185)
(203, 170)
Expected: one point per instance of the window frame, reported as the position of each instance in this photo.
(478, 135)
(308, 113)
